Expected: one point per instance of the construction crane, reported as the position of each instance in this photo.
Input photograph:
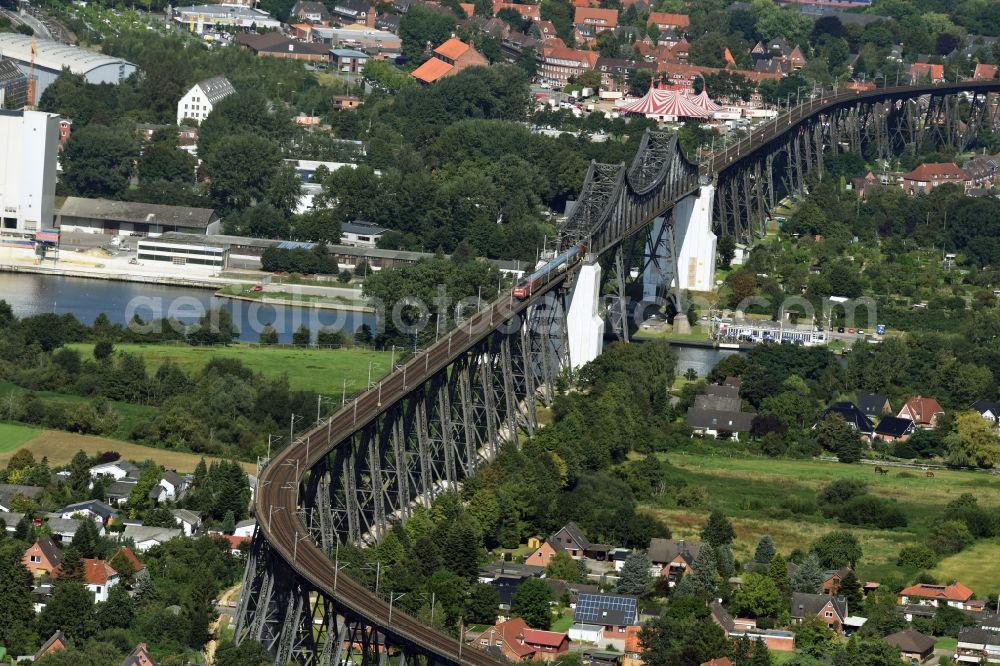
(32, 83)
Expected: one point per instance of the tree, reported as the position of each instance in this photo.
(79, 473)
(837, 549)
(718, 531)
(701, 582)
(269, 335)
(164, 161)
(482, 605)
(727, 250)
(682, 636)
(765, 550)
(778, 572)
(87, 540)
(808, 576)
(758, 596)
(103, 349)
(229, 522)
(977, 439)
(118, 611)
(949, 537)
(422, 27)
(248, 653)
(761, 656)
(850, 587)
(16, 612)
(917, 556)
(833, 433)
(814, 637)
(70, 608)
(849, 450)
(97, 161)
(243, 168)
(531, 603)
(563, 567)
(635, 579)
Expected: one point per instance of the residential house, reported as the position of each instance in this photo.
(633, 647)
(116, 493)
(612, 613)
(449, 59)
(831, 609)
(893, 428)
(874, 405)
(238, 545)
(9, 492)
(601, 19)
(388, 22)
(853, 416)
(560, 63)
(353, 11)
(667, 22)
(921, 72)
(719, 413)
(982, 170)
(529, 12)
(832, 578)
(571, 538)
(188, 521)
(617, 557)
(119, 469)
(57, 641)
(147, 537)
(543, 554)
(125, 559)
(926, 177)
(245, 528)
(913, 646)
(341, 102)
(170, 488)
(924, 412)
(10, 520)
(506, 584)
(42, 557)
(977, 645)
(988, 409)
(64, 529)
(954, 594)
(360, 233)
(96, 510)
(616, 73)
(543, 30)
(99, 577)
(140, 656)
(348, 61)
(718, 661)
(314, 12)
(776, 640)
(277, 45)
(984, 72)
(673, 557)
(203, 96)
(516, 641)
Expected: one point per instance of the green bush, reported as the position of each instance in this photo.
(917, 556)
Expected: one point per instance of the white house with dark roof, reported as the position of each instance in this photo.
(199, 101)
(119, 469)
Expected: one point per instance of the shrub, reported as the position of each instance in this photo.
(950, 537)
(833, 496)
(917, 556)
(872, 511)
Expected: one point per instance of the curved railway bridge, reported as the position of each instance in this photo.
(447, 409)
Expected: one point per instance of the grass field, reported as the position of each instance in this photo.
(975, 566)
(12, 437)
(320, 370)
(59, 448)
(564, 622)
(759, 495)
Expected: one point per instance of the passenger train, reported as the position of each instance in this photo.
(529, 285)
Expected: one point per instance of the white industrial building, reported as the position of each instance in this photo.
(205, 18)
(29, 143)
(198, 102)
(51, 57)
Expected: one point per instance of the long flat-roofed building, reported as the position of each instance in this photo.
(199, 18)
(104, 216)
(29, 143)
(51, 57)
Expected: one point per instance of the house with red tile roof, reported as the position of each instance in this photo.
(666, 21)
(924, 412)
(955, 595)
(530, 12)
(468, 7)
(920, 72)
(546, 29)
(126, 554)
(99, 577)
(57, 641)
(601, 19)
(926, 177)
(718, 661)
(449, 59)
(140, 657)
(519, 642)
(633, 646)
(543, 554)
(984, 72)
(42, 557)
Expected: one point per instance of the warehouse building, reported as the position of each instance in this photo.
(122, 218)
(29, 143)
(183, 249)
(51, 57)
(225, 16)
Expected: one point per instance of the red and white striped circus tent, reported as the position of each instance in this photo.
(704, 101)
(665, 104)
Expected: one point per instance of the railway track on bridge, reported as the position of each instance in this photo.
(277, 504)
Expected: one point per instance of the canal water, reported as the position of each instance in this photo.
(30, 294)
(702, 359)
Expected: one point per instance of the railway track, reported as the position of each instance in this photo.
(277, 499)
(278, 486)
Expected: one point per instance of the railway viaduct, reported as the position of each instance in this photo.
(448, 408)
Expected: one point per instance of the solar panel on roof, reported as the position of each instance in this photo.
(592, 607)
(293, 245)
